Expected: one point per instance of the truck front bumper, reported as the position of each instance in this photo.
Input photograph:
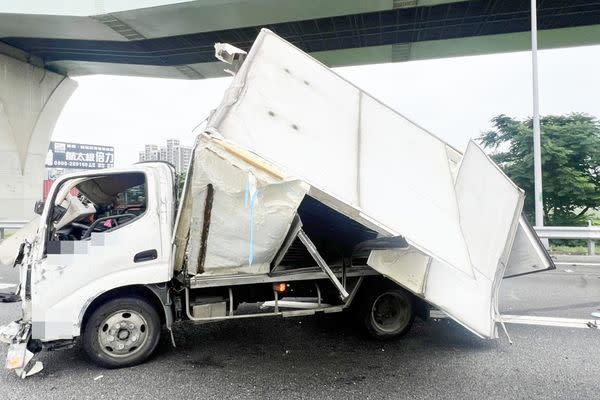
(20, 358)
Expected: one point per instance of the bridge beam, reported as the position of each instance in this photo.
(31, 100)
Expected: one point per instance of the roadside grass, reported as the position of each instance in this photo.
(7, 234)
(568, 250)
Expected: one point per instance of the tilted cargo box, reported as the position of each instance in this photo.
(292, 137)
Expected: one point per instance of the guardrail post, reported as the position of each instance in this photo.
(591, 243)
(1, 233)
(590, 233)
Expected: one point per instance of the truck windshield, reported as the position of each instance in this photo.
(97, 204)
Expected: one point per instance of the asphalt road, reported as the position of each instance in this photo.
(327, 358)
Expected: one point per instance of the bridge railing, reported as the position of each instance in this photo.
(11, 224)
(589, 233)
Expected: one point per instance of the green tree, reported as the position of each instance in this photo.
(570, 163)
(180, 182)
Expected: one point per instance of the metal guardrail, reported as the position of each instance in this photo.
(11, 224)
(590, 233)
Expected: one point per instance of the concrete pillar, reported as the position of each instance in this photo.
(31, 100)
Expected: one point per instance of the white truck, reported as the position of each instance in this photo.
(305, 195)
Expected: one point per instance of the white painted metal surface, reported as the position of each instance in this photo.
(62, 285)
(299, 115)
(528, 254)
(489, 206)
(249, 213)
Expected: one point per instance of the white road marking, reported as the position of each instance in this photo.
(591, 264)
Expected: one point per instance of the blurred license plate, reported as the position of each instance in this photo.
(16, 356)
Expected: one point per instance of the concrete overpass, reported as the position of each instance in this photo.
(44, 43)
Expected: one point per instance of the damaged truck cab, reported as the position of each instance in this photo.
(100, 236)
(104, 265)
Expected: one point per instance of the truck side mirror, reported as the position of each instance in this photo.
(39, 207)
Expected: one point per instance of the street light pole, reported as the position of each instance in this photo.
(537, 150)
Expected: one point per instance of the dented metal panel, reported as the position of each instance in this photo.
(85, 269)
(249, 210)
(374, 165)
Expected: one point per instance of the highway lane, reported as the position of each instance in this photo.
(328, 358)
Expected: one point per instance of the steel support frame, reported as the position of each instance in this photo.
(312, 249)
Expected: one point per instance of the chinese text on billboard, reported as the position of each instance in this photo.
(80, 156)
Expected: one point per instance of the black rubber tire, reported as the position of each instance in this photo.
(365, 311)
(90, 339)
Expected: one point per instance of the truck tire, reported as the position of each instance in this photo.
(386, 312)
(122, 332)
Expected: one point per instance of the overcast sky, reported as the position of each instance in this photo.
(453, 98)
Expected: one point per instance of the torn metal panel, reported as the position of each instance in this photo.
(489, 207)
(408, 267)
(250, 212)
(458, 213)
(284, 106)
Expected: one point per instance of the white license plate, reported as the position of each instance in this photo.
(16, 355)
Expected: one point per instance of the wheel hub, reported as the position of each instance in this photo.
(122, 333)
(390, 313)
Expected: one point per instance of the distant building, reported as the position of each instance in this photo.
(151, 153)
(182, 158)
(173, 152)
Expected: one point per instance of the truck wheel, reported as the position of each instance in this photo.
(122, 332)
(387, 313)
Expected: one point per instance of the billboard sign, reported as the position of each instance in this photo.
(80, 156)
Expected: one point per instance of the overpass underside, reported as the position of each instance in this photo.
(42, 44)
(176, 40)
